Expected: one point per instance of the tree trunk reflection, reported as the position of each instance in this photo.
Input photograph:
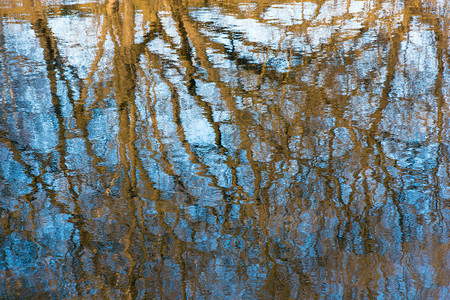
(225, 149)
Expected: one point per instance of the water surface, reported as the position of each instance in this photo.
(224, 149)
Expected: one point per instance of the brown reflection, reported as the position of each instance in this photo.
(228, 149)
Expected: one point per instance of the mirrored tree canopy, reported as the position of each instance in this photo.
(234, 149)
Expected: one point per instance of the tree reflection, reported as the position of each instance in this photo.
(234, 149)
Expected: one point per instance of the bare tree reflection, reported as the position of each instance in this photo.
(233, 149)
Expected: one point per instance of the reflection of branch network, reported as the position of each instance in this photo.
(180, 149)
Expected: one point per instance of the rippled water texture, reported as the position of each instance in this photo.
(235, 149)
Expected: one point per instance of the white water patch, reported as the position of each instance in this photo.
(198, 131)
(290, 14)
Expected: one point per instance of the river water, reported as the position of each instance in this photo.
(235, 149)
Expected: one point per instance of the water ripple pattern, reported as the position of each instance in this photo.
(232, 149)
